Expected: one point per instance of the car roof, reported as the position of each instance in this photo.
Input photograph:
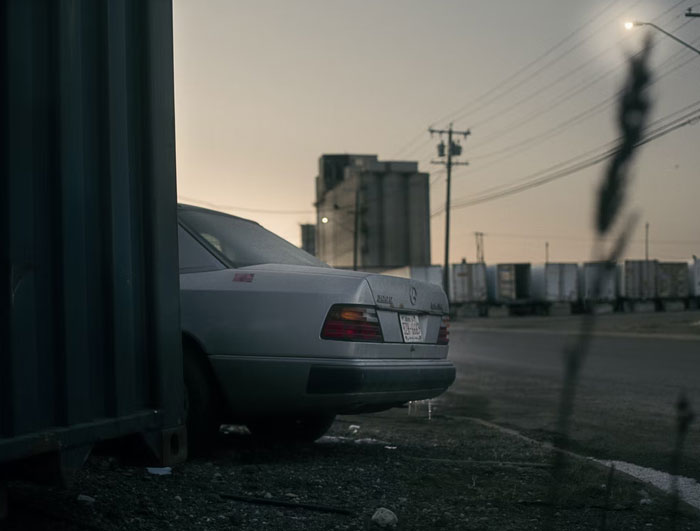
(182, 206)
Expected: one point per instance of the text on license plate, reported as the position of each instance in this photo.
(410, 326)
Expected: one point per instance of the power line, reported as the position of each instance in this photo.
(544, 67)
(569, 171)
(651, 135)
(580, 117)
(523, 145)
(606, 103)
(561, 237)
(549, 106)
(536, 93)
(549, 85)
(408, 144)
(575, 70)
(505, 87)
(688, 119)
(608, 145)
(243, 209)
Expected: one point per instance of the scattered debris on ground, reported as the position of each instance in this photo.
(410, 473)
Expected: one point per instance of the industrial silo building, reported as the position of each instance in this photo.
(371, 214)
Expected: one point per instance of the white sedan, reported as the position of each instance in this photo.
(275, 339)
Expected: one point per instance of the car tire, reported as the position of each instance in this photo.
(201, 409)
(304, 429)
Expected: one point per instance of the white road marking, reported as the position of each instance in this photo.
(688, 488)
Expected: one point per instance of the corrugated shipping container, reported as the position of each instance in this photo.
(89, 330)
(672, 280)
(591, 274)
(509, 283)
(555, 282)
(694, 271)
(468, 283)
(639, 279)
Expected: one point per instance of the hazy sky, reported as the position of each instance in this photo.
(263, 88)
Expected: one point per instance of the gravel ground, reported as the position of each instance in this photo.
(439, 473)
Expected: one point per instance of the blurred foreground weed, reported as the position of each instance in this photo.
(684, 416)
(633, 111)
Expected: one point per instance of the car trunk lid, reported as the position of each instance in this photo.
(406, 295)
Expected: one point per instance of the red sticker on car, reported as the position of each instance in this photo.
(243, 277)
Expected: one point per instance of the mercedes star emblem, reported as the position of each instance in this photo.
(413, 295)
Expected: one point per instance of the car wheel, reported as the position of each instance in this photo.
(201, 410)
(291, 430)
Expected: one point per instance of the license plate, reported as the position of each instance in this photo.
(410, 326)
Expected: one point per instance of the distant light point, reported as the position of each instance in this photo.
(629, 25)
(324, 219)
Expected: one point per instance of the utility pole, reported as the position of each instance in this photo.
(479, 246)
(356, 228)
(453, 149)
(646, 241)
(546, 252)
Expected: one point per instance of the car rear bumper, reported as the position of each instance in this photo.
(266, 385)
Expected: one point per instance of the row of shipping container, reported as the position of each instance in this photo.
(590, 282)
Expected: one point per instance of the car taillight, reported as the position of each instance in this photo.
(352, 323)
(444, 334)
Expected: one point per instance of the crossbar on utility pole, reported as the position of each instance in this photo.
(451, 148)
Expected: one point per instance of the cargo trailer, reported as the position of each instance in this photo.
(555, 287)
(599, 286)
(468, 283)
(509, 283)
(694, 274)
(672, 280)
(639, 280)
(555, 282)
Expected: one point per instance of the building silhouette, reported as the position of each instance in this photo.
(372, 214)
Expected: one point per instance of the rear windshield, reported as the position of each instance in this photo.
(244, 243)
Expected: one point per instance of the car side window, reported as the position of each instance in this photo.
(194, 258)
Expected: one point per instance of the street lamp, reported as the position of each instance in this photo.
(630, 25)
(324, 220)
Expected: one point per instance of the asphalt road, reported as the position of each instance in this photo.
(626, 396)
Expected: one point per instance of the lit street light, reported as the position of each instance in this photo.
(324, 219)
(630, 25)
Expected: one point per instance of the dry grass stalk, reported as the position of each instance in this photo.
(634, 106)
